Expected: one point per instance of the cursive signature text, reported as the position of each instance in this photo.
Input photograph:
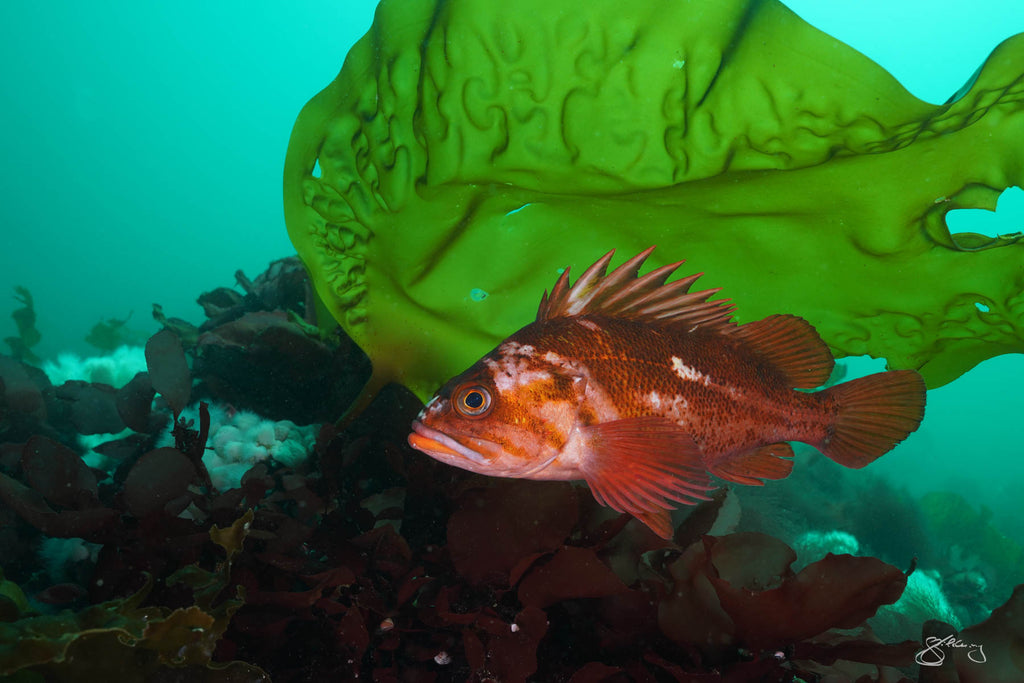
(935, 655)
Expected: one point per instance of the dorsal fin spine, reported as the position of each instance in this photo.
(625, 294)
(655, 278)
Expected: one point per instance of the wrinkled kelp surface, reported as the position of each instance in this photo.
(468, 150)
(368, 560)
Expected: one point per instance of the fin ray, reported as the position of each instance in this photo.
(875, 413)
(658, 521)
(774, 461)
(644, 465)
(625, 294)
(792, 346)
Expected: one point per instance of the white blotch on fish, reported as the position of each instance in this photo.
(686, 372)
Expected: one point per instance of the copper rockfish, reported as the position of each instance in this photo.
(644, 389)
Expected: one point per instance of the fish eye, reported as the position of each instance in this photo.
(473, 401)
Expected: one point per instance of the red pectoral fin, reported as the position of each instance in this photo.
(659, 522)
(642, 466)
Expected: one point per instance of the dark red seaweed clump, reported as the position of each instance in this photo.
(367, 560)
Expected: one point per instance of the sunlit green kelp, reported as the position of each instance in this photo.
(468, 150)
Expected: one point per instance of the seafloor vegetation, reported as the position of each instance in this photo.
(171, 516)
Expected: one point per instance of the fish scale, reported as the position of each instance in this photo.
(630, 360)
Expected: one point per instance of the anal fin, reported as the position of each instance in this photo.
(774, 461)
(643, 465)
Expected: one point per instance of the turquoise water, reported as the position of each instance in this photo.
(143, 146)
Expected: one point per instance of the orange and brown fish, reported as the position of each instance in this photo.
(643, 388)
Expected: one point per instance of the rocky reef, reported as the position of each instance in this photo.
(345, 555)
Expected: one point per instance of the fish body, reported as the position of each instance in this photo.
(645, 389)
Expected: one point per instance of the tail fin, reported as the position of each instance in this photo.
(875, 413)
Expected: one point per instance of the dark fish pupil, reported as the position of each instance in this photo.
(474, 400)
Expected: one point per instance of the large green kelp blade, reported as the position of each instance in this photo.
(469, 150)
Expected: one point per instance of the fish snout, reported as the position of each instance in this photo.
(442, 447)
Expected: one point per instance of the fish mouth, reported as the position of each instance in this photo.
(440, 445)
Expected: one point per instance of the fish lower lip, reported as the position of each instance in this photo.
(434, 443)
(428, 444)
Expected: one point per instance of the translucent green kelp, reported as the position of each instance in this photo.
(468, 150)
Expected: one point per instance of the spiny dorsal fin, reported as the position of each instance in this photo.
(624, 294)
(791, 345)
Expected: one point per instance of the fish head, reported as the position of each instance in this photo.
(509, 415)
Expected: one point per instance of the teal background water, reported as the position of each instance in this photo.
(142, 148)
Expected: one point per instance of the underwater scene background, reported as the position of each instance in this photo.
(143, 149)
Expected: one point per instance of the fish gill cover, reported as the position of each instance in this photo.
(472, 147)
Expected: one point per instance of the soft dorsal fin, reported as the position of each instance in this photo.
(792, 346)
(624, 294)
